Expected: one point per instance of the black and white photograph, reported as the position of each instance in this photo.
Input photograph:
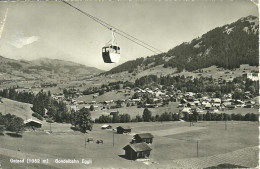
(129, 84)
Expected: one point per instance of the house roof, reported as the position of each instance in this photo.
(125, 127)
(137, 147)
(186, 109)
(145, 135)
(105, 126)
(31, 120)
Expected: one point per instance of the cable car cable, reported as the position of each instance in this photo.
(138, 43)
(109, 27)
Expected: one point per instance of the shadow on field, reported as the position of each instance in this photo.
(14, 135)
(123, 156)
(74, 128)
(220, 166)
(2, 134)
(78, 129)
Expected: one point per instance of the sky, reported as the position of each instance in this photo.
(52, 29)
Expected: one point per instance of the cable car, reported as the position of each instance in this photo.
(111, 52)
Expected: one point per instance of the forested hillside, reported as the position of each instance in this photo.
(228, 46)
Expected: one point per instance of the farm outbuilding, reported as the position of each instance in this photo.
(32, 123)
(137, 150)
(144, 137)
(123, 129)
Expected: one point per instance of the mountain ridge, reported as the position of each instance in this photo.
(42, 68)
(227, 46)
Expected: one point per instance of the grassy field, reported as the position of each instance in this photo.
(113, 95)
(173, 143)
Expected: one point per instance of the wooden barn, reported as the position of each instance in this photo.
(137, 150)
(123, 129)
(32, 123)
(144, 137)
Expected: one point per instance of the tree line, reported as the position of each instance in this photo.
(147, 116)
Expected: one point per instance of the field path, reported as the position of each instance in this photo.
(247, 157)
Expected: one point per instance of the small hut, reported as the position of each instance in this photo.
(32, 123)
(123, 129)
(137, 150)
(144, 137)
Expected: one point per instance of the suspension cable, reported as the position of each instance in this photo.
(108, 26)
(123, 34)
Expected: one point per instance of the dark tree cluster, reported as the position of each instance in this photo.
(24, 97)
(82, 120)
(11, 123)
(209, 116)
(115, 117)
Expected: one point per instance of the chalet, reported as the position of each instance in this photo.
(216, 102)
(123, 129)
(197, 103)
(127, 94)
(24, 90)
(136, 100)
(253, 76)
(213, 109)
(150, 105)
(137, 150)
(108, 102)
(87, 106)
(156, 100)
(186, 110)
(190, 104)
(207, 106)
(75, 107)
(128, 88)
(190, 99)
(32, 123)
(144, 137)
(248, 105)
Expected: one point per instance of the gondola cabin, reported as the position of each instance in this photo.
(111, 54)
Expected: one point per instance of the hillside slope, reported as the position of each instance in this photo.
(19, 109)
(228, 47)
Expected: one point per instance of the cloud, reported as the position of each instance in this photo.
(19, 41)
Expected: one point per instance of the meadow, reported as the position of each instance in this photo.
(174, 144)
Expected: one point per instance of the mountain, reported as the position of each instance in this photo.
(43, 69)
(62, 66)
(228, 47)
